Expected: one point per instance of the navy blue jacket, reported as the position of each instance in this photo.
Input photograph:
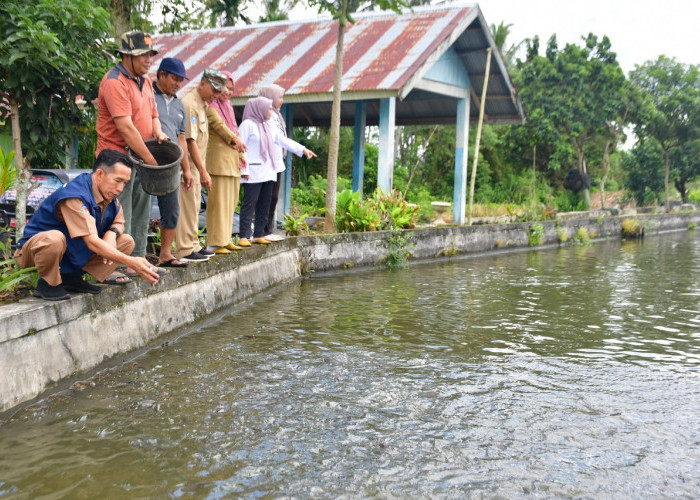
(45, 219)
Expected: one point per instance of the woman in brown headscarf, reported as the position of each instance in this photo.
(225, 160)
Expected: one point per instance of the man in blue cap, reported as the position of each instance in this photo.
(171, 73)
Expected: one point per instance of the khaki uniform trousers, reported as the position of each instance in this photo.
(46, 249)
(221, 204)
(187, 231)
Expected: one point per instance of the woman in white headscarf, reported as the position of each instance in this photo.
(260, 137)
(276, 93)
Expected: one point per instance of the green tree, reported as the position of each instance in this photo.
(182, 15)
(671, 108)
(50, 54)
(277, 10)
(685, 165)
(573, 96)
(121, 16)
(175, 15)
(340, 11)
(643, 166)
(500, 34)
(227, 12)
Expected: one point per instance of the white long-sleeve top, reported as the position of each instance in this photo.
(276, 123)
(259, 170)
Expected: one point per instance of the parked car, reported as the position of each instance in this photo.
(47, 181)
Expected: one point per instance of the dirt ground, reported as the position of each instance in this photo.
(612, 198)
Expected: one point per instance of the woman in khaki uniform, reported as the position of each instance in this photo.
(225, 160)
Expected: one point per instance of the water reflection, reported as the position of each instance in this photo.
(567, 372)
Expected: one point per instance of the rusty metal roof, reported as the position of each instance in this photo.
(385, 55)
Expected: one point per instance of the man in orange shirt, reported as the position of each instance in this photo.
(126, 116)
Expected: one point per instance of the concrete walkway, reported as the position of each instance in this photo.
(42, 343)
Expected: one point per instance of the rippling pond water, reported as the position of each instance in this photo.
(558, 373)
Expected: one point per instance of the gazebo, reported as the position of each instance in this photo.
(424, 66)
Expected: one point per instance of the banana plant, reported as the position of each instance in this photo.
(8, 170)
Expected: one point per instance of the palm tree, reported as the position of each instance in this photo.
(277, 10)
(500, 35)
(227, 12)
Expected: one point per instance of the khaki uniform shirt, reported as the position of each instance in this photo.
(196, 125)
(79, 222)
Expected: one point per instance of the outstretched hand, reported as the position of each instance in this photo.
(146, 270)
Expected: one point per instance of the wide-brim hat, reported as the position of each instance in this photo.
(136, 43)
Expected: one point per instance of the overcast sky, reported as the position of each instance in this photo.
(639, 30)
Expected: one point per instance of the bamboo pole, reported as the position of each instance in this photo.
(482, 104)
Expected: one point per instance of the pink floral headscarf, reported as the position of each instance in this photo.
(255, 111)
(225, 108)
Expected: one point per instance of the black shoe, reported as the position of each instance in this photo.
(76, 283)
(195, 257)
(48, 292)
(206, 253)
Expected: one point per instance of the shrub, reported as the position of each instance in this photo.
(632, 228)
(563, 234)
(352, 214)
(567, 201)
(14, 280)
(536, 212)
(694, 196)
(310, 197)
(535, 235)
(395, 211)
(399, 249)
(294, 226)
(382, 211)
(422, 198)
(582, 237)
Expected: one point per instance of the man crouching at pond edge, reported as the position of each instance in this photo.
(80, 229)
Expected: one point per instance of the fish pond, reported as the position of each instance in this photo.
(571, 372)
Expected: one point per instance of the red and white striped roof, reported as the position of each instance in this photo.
(384, 54)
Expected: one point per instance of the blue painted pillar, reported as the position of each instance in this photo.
(358, 150)
(459, 199)
(286, 187)
(385, 164)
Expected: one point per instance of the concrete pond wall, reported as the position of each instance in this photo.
(44, 343)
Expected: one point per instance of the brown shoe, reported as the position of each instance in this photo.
(222, 251)
(231, 246)
(261, 241)
(243, 242)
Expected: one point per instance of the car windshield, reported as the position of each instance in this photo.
(45, 185)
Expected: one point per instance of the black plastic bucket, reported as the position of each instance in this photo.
(165, 177)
